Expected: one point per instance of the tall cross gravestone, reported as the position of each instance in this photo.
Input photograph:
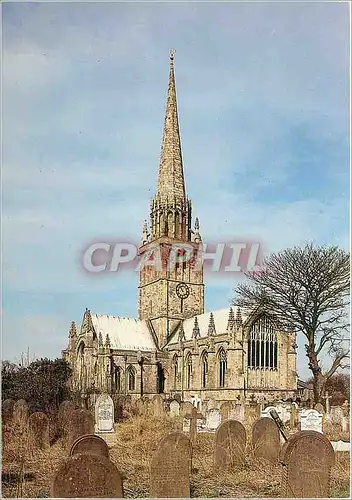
(195, 416)
(327, 402)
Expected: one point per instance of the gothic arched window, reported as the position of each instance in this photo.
(175, 369)
(131, 377)
(222, 367)
(204, 369)
(116, 379)
(262, 345)
(177, 225)
(188, 371)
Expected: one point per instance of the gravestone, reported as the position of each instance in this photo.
(90, 444)
(104, 413)
(141, 406)
(307, 458)
(293, 415)
(80, 424)
(186, 426)
(266, 439)
(226, 410)
(230, 445)
(311, 420)
(238, 413)
(319, 408)
(20, 412)
(87, 476)
(38, 425)
(7, 410)
(336, 415)
(170, 467)
(186, 408)
(174, 408)
(213, 419)
(158, 406)
(64, 415)
(251, 412)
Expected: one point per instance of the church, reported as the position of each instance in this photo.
(174, 347)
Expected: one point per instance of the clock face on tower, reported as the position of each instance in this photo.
(182, 291)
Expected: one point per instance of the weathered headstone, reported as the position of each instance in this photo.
(104, 413)
(266, 439)
(230, 445)
(174, 408)
(141, 406)
(319, 408)
(90, 444)
(213, 419)
(7, 410)
(80, 424)
(170, 467)
(158, 405)
(38, 425)
(307, 458)
(20, 412)
(64, 415)
(251, 412)
(311, 420)
(294, 415)
(238, 413)
(186, 408)
(226, 410)
(87, 476)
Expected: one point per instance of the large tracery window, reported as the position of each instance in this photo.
(262, 345)
(188, 371)
(222, 367)
(204, 369)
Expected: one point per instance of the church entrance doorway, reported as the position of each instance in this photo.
(160, 378)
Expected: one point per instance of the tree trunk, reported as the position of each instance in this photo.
(318, 378)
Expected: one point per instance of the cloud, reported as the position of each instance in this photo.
(262, 91)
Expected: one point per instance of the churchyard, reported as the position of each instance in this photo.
(157, 448)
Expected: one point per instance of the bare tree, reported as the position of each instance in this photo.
(307, 291)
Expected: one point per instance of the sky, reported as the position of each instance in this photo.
(263, 98)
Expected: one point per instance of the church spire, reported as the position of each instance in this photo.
(171, 184)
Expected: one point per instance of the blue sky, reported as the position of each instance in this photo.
(263, 94)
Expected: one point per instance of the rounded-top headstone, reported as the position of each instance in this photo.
(307, 458)
(266, 439)
(170, 467)
(90, 444)
(7, 410)
(20, 412)
(80, 424)
(64, 413)
(104, 413)
(230, 444)
(38, 424)
(87, 476)
(226, 410)
(320, 408)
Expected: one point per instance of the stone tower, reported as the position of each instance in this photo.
(171, 285)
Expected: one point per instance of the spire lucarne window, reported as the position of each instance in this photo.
(262, 345)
